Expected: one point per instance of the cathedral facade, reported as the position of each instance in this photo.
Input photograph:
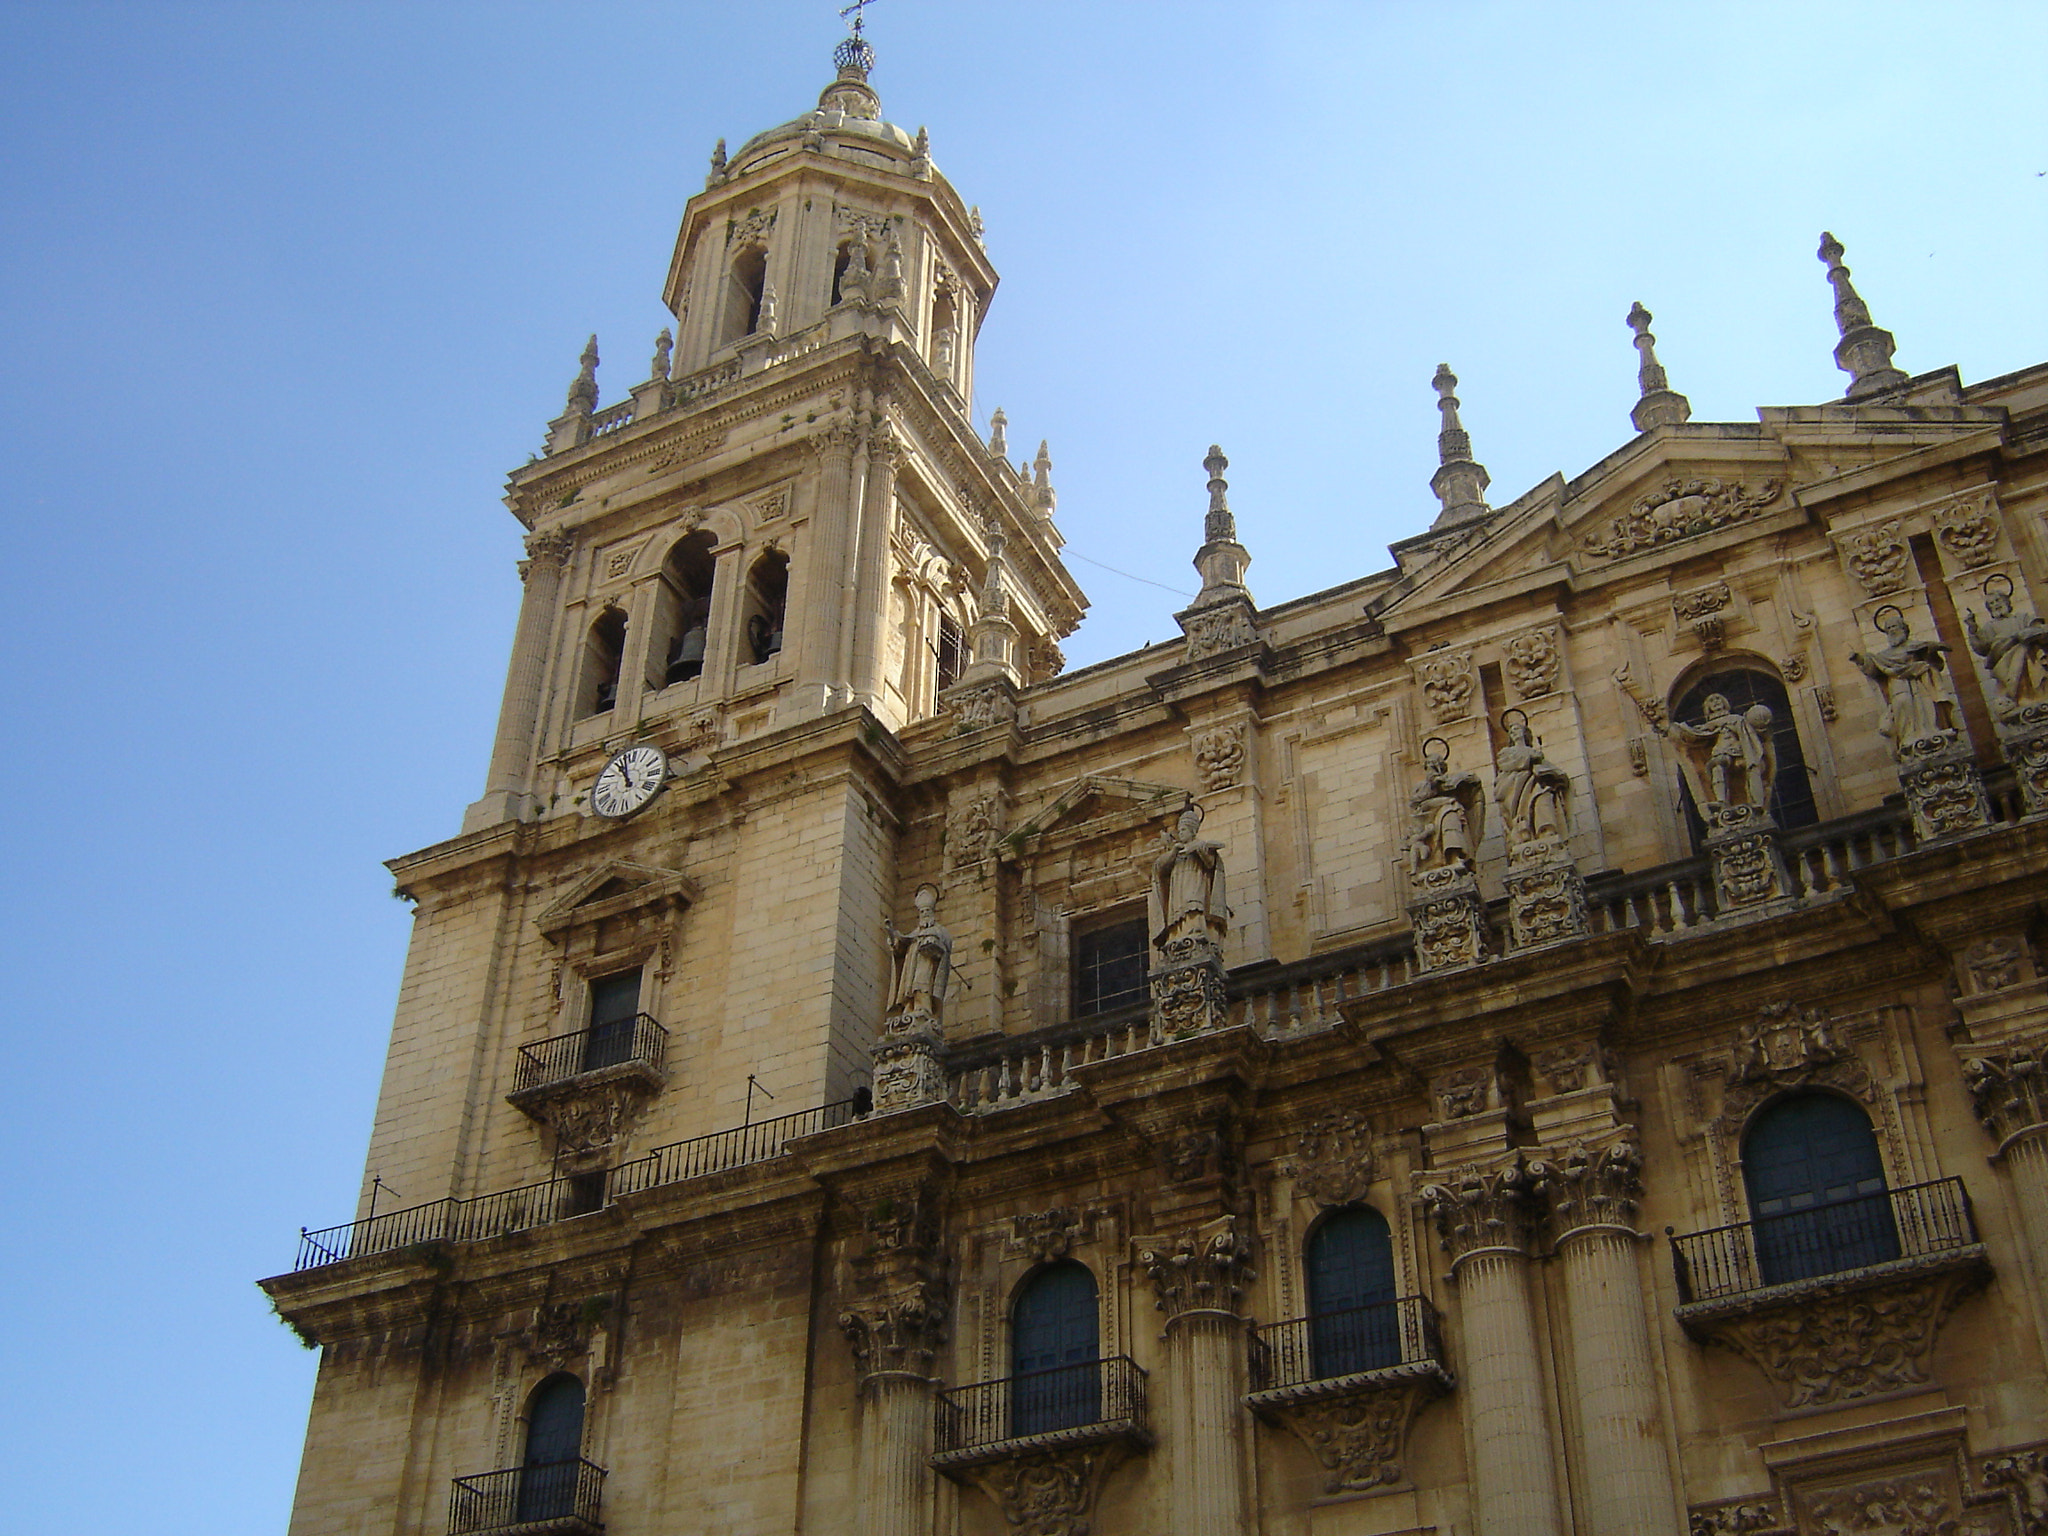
(1546, 1038)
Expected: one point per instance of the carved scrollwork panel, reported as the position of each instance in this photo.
(1049, 1492)
(1359, 1436)
(1334, 1163)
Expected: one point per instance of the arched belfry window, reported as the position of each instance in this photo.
(604, 649)
(767, 605)
(1055, 1341)
(554, 1450)
(1353, 1321)
(745, 285)
(1792, 803)
(1816, 1187)
(684, 613)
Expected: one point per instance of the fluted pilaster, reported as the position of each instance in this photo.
(869, 596)
(825, 595)
(895, 1444)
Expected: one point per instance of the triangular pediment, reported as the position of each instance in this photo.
(615, 887)
(1095, 798)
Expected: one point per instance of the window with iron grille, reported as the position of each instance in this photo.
(1110, 961)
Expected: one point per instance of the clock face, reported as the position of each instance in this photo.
(629, 781)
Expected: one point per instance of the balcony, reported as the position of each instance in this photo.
(534, 1205)
(635, 1045)
(1838, 1301)
(563, 1499)
(1099, 1403)
(1349, 1384)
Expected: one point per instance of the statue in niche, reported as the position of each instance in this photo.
(1446, 813)
(924, 961)
(1533, 793)
(1907, 674)
(2015, 650)
(1186, 898)
(1732, 755)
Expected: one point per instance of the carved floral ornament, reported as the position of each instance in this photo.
(1681, 509)
(1593, 1186)
(2009, 1090)
(1705, 611)
(973, 827)
(1049, 1492)
(1222, 628)
(751, 228)
(1043, 1236)
(1360, 1436)
(976, 708)
(895, 1318)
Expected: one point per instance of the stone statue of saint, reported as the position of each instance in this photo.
(1732, 754)
(2015, 651)
(924, 961)
(1907, 674)
(1446, 813)
(1186, 899)
(1533, 793)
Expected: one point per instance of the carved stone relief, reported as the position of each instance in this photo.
(1531, 661)
(895, 1318)
(973, 827)
(1839, 1343)
(1736, 1519)
(1359, 1437)
(2025, 1475)
(1921, 1503)
(1223, 628)
(1968, 529)
(1449, 685)
(1592, 1186)
(1467, 1091)
(1788, 1046)
(2008, 1090)
(974, 708)
(1333, 1162)
(1049, 1492)
(751, 228)
(1681, 509)
(1042, 1236)
(1705, 611)
(1994, 963)
(1877, 557)
(1220, 756)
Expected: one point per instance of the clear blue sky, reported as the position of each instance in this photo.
(285, 290)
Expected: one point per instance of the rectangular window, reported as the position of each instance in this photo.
(948, 650)
(1110, 962)
(614, 1005)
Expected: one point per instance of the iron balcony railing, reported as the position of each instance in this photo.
(534, 1205)
(1332, 1344)
(1917, 1222)
(1104, 1395)
(638, 1038)
(561, 1492)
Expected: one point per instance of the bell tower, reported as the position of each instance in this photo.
(792, 514)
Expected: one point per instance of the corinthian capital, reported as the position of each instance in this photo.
(1201, 1271)
(1592, 1186)
(551, 547)
(896, 1333)
(2008, 1089)
(1478, 1209)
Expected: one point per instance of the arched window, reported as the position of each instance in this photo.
(748, 280)
(767, 605)
(1816, 1189)
(1353, 1322)
(1054, 1344)
(554, 1450)
(1792, 793)
(684, 613)
(945, 335)
(603, 650)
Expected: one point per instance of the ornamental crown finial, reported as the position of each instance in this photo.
(583, 392)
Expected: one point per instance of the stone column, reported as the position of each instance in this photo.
(2009, 1089)
(1627, 1476)
(1485, 1216)
(506, 786)
(895, 1323)
(1198, 1280)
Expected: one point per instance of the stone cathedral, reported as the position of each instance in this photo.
(1549, 1037)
